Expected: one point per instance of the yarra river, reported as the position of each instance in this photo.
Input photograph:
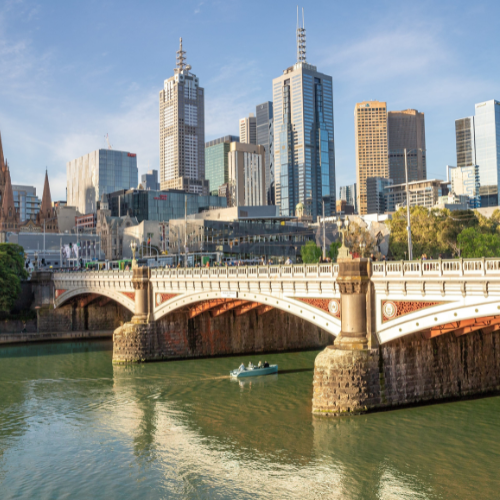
(74, 426)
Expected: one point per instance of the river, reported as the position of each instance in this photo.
(74, 426)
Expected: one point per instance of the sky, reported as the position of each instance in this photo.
(72, 72)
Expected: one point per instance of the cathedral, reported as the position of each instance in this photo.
(46, 219)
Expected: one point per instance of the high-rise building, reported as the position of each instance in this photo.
(370, 129)
(376, 199)
(26, 202)
(406, 130)
(465, 181)
(149, 180)
(216, 158)
(264, 115)
(349, 194)
(248, 129)
(247, 182)
(304, 155)
(478, 143)
(100, 172)
(182, 130)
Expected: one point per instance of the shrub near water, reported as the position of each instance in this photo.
(11, 272)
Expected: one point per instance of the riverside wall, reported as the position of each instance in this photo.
(177, 337)
(408, 371)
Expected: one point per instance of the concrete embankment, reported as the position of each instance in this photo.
(14, 338)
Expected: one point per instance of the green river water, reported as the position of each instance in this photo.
(74, 426)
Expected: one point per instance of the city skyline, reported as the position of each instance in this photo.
(117, 80)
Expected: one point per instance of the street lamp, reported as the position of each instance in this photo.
(133, 247)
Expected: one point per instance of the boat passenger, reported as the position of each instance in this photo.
(250, 364)
(266, 364)
(242, 367)
(259, 365)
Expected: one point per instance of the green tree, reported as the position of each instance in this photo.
(333, 252)
(358, 236)
(454, 223)
(310, 252)
(12, 270)
(475, 244)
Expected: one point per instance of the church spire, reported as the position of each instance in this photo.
(2, 159)
(8, 215)
(46, 206)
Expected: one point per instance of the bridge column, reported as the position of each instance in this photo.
(138, 340)
(346, 378)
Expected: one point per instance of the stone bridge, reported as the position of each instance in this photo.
(372, 309)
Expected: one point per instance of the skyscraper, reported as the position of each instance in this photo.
(182, 131)
(478, 143)
(349, 195)
(304, 155)
(216, 162)
(264, 114)
(248, 130)
(370, 129)
(406, 130)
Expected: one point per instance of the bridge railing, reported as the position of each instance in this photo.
(84, 274)
(440, 267)
(249, 272)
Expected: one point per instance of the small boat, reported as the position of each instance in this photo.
(253, 371)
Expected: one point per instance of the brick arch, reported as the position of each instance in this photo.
(122, 299)
(305, 309)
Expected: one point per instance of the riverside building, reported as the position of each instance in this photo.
(304, 154)
(264, 115)
(216, 162)
(182, 131)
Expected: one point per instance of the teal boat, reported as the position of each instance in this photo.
(253, 371)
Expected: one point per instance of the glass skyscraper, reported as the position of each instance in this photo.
(478, 143)
(304, 155)
(264, 113)
(216, 162)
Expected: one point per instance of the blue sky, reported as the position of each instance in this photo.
(70, 72)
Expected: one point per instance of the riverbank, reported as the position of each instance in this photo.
(15, 338)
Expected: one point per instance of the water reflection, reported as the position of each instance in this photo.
(72, 424)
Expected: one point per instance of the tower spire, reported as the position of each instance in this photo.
(301, 39)
(181, 59)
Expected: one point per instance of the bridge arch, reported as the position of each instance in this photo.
(110, 293)
(459, 316)
(314, 315)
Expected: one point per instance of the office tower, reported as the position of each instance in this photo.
(100, 172)
(247, 181)
(26, 202)
(182, 131)
(149, 180)
(465, 181)
(304, 156)
(406, 130)
(264, 115)
(349, 194)
(477, 143)
(370, 129)
(216, 158)
(375, 191)
(248, 130)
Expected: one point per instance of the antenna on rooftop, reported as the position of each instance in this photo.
(107, 140)
(301, 39)
(181, 59)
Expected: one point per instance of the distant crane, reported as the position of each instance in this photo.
(107, 140)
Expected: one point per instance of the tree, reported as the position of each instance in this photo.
(357, 236)
(12, 270)
(333, 252)
(310, 252)
(453, 225)
(473, 243)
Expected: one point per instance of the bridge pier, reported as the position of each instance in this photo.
(346, 375)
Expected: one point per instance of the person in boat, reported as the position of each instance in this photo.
(250, 365)
(266, 364)
(259, 365)
(242, 367)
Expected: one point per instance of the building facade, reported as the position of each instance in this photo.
(248, 129)
(149, 180)
(304, 153)
(182, 130)
(478, 143)
(247, 181)
(406, 129)
(370, 130)
(422, 193)
(159, 205)
(216, 162)
(349, 194)
(465, 182)
(264, 115)
(100, 172)
(26, 202)
(376, 198)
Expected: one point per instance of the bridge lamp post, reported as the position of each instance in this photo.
(133, 247)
